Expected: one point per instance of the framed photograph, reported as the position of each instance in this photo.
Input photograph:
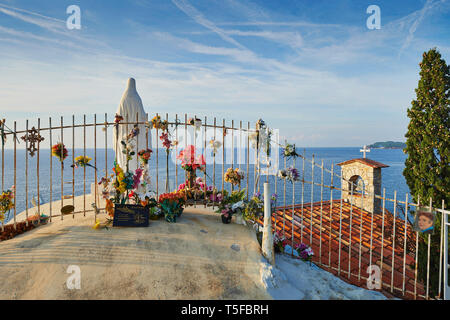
(425, 220)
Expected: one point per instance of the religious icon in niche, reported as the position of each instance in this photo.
(425, 220)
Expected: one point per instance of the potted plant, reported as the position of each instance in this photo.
(171, 205)
(233, 204)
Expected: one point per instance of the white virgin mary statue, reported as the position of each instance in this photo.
(131, 109)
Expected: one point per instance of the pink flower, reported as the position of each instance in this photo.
(198, 180)
(201, 160)
(137, 178)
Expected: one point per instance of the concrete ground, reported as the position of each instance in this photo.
(190, 259)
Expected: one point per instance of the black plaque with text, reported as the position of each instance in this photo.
(130, 215)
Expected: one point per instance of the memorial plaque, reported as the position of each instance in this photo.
(130, 215)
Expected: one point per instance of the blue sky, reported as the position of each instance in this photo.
(309, 68)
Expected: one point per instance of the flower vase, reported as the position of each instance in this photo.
(226, 219)
(240, 219)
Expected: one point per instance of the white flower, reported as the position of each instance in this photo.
(215, 145)
(237, 205)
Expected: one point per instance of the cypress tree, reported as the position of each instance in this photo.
(427, 167)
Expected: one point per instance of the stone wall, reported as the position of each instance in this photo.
(372, 185)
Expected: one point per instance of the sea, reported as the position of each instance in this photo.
(392, 177)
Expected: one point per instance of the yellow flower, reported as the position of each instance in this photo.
(83, 159)
(96, 225)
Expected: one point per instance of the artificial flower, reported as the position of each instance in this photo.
(6, 202)
(144, 155)
(82, 161)
(215, 145)
(118, 118)
(291, 174)
(59, 150)
(234, 176)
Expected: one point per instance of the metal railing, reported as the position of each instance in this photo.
(345, 237)
(445, 252)
(38, 140)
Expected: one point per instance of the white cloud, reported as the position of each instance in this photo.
(309, 103)
(198, 17)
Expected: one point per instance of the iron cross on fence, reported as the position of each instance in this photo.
(32, 137)
(364, 150)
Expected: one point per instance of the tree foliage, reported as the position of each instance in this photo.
(427, 168)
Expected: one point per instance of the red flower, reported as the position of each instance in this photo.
(118, 118)
(188, 159)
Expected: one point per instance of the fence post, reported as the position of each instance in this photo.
(446, 264)
(267, 240)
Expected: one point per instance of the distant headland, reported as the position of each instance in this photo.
(387, 145)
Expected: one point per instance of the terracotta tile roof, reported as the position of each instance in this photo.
(331, 252)
(370, 163)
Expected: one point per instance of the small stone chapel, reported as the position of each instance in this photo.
(365, 175)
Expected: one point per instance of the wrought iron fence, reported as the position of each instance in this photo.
(86, 139)
(346, 238)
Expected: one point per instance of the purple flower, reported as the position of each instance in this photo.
(137, 178)
(293, 174)
(273, 200)
(303, 255)
(301, 247)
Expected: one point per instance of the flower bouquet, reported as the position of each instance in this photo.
(215, 145)
(234, 176)
(171, 205)
(6, 202)
(230, 205)
(60, 151)
(289, 151)
(305, 252)
(291, 174)
(157, 123)
(151, 204)
(279, 242)
(190, 163)
(197, 190)
(82, 161)
(126, 187)
(155, 213)
(255, 208)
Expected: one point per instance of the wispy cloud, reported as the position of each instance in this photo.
(417, 17)
(291, 39)
(51, 24)
(45, 22)
(198, 17)
(31, 13)
(280, 24)
(338, 79)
